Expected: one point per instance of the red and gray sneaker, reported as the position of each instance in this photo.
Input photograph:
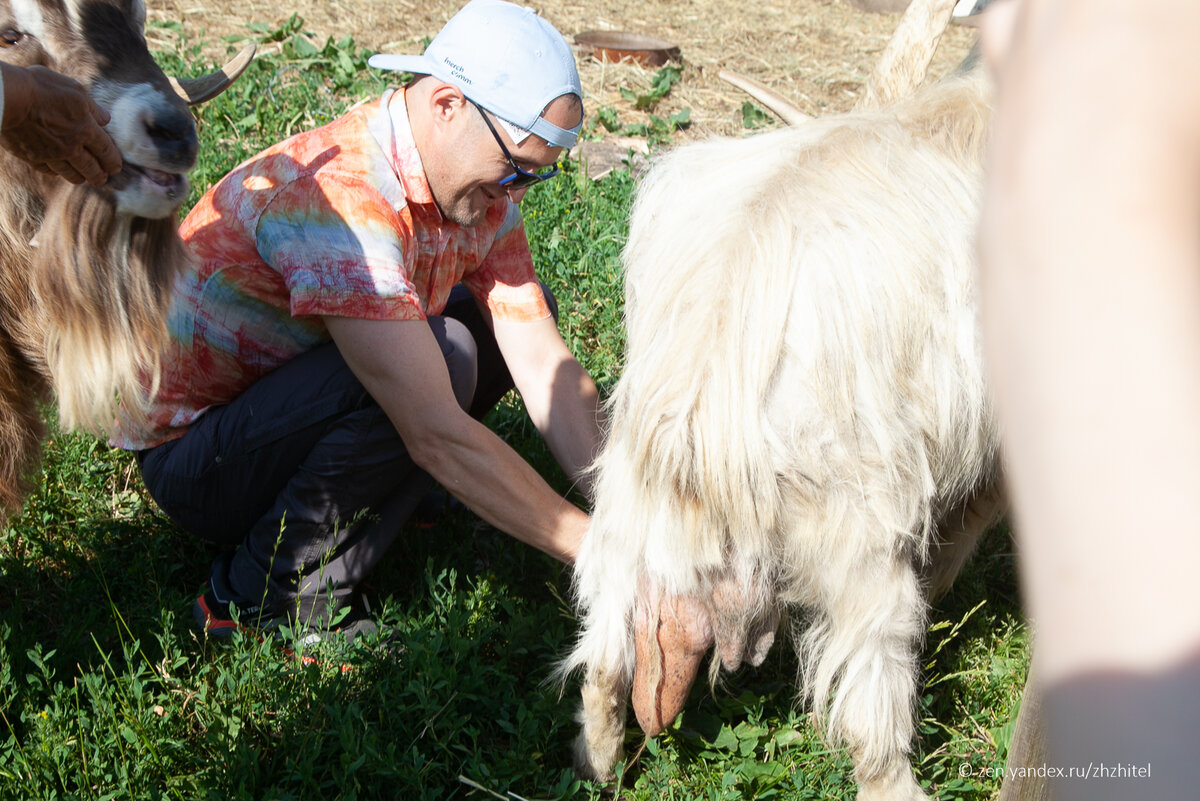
(302, 625)
(220, 619)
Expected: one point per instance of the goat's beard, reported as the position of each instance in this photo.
(103, 282)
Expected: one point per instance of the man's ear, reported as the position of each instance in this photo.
(446, 101)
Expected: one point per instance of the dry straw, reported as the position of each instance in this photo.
(816, 52)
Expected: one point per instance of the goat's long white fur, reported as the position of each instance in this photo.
(803, 400)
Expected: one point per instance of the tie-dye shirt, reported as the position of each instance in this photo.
(337, 221)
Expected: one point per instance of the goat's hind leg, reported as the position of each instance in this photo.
(861, 666)
(959, 531)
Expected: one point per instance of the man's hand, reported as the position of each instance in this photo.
(51, 122)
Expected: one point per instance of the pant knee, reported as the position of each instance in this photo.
(461, 354)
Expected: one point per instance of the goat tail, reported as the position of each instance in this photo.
(103, 282)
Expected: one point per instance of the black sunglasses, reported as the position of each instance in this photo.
(520, 178)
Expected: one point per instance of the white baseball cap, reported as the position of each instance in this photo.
(505, 58)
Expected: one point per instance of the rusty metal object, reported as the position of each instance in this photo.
(614, 46)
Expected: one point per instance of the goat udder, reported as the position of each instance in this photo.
(668, 644)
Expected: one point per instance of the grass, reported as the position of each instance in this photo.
(106, 692)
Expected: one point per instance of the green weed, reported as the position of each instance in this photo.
(656, 129)
(754, 117)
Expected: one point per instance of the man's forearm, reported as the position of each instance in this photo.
(483, 472)
(401, 365)
(559, 395)
(571, 423)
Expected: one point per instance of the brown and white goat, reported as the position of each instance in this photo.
(802, 422)
(85, 273)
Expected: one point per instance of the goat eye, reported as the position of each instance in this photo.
(10, 37)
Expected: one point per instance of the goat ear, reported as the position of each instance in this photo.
(206, 87)
(785, 109)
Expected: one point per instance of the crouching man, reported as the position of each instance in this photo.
(363, 293)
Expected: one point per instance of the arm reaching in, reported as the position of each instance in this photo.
(400, 364)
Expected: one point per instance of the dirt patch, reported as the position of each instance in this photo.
(816, 52)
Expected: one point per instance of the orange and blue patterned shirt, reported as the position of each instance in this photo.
(337, 221)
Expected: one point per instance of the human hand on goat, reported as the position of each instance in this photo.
(50, 121)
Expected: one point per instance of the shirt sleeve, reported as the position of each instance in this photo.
(505, 281)
(341, 250)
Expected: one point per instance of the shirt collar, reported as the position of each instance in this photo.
(396, 139)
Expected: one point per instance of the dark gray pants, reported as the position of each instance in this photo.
(304, 475)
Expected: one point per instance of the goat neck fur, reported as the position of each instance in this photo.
(85, 273)
(22, 383)
(103, 283)
(82, 317)
(802, 403)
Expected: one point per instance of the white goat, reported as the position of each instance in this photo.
(802, 415)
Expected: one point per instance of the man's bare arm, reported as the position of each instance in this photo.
(558, 393)
(401, 365)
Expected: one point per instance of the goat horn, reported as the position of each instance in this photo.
(902, 66)
(785, 109)
(206, 87)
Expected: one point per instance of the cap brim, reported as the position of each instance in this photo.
(418, 65)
